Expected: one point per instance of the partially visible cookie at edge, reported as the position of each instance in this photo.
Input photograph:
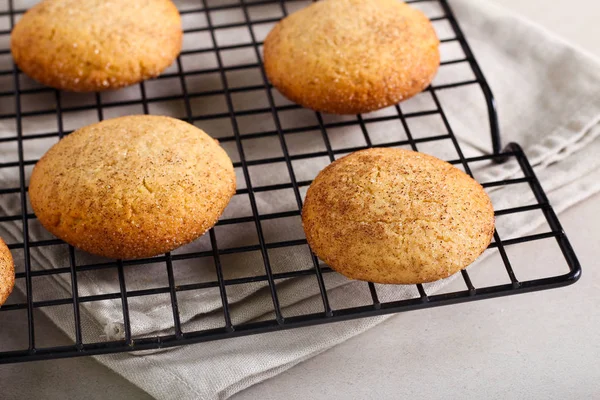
(352, 56)
(132, 187)
(396, 216)
(94, 45)
(7, 272)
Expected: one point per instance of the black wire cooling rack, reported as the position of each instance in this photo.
(242, 15)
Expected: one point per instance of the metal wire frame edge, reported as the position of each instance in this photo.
(291, 322)
(485, 87)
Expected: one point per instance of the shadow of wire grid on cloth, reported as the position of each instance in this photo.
(254, 271)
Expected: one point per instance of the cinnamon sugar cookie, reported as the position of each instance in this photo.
(352, 56)
(396, 216)
(93, 45)
(7, 272)
(133, 186)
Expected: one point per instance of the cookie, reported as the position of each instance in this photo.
(352, 56)
(396, 216)
(94, 45)
(132, 187)
(7, 272)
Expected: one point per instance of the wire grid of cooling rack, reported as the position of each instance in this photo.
(219, 57)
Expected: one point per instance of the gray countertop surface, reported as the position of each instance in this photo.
(533, 346)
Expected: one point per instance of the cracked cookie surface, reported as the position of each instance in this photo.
(396, 216)
(7, 272)
(352, 56)
(94, 45)
(133, 186)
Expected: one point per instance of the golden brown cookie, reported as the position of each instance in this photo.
(93, 45)
(396, 216)
(133, 186)
(352, 56)
(7, 272)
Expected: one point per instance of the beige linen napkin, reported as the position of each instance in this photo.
(549, 99)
